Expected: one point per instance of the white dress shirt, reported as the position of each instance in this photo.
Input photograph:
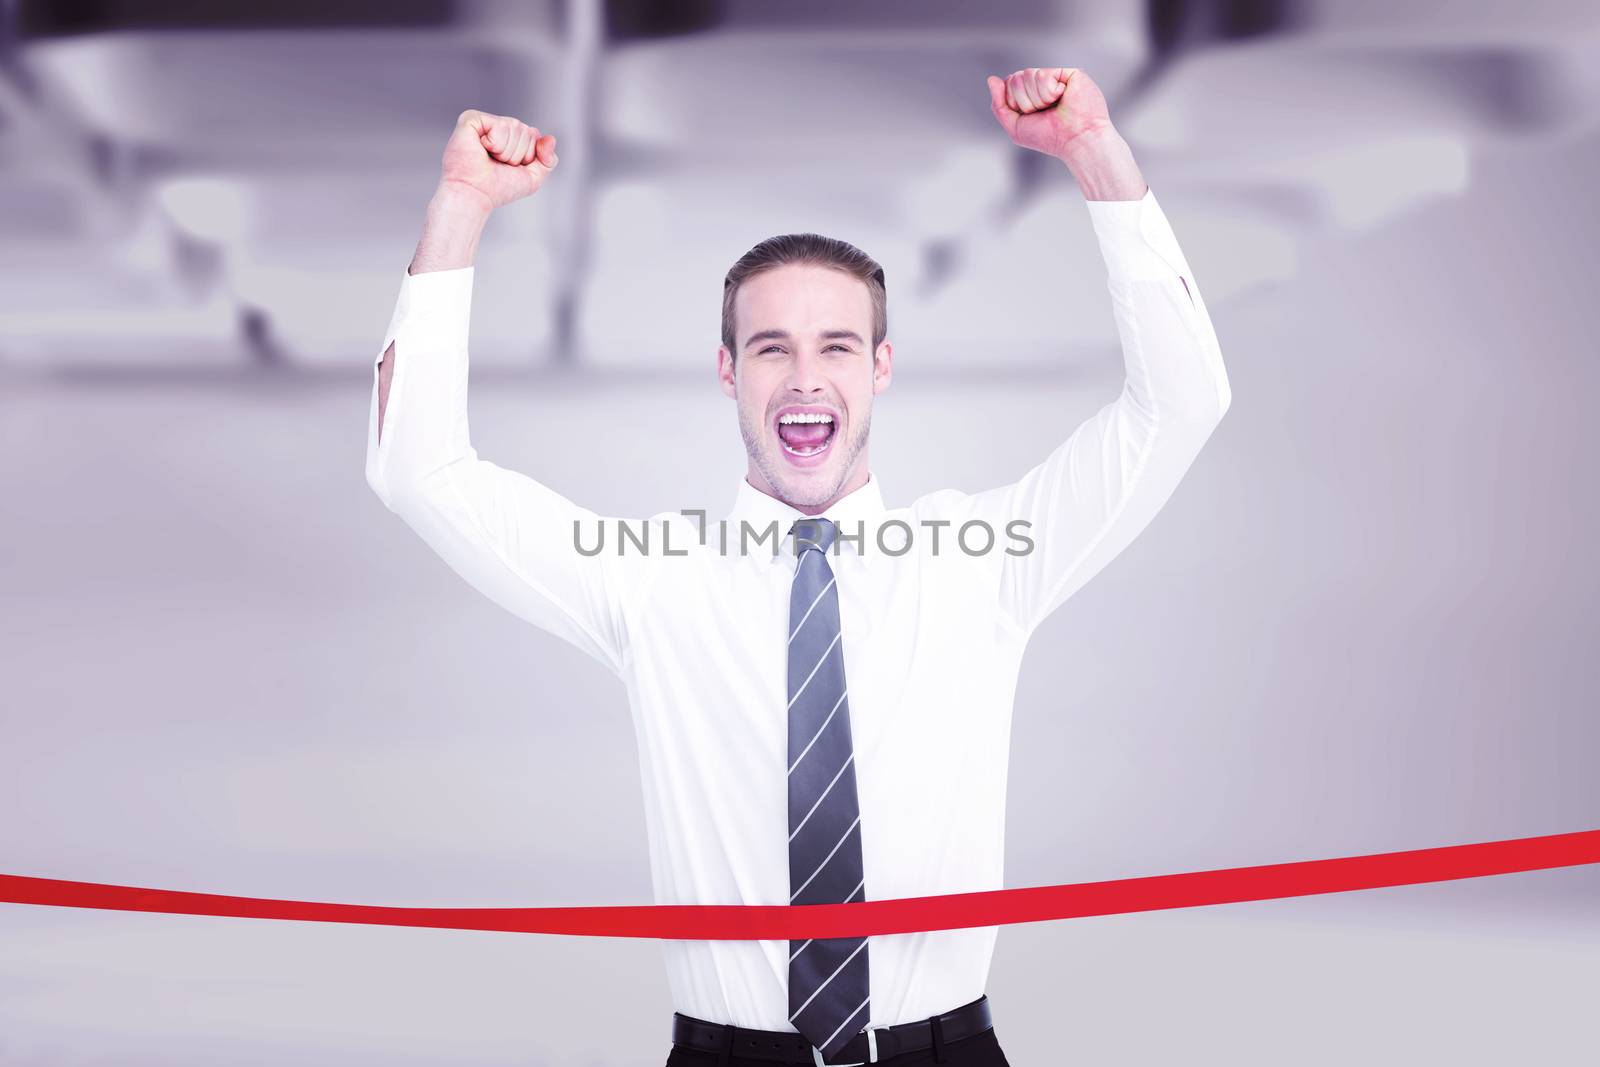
(933, 637)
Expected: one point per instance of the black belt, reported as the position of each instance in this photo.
(871, 1046)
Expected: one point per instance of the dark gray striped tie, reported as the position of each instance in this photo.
(828, 983)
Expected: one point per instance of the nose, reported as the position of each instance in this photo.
(805, 373)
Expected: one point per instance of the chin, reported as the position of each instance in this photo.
(809, 489)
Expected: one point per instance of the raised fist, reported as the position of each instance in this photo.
(498, 156)
(1047, 108)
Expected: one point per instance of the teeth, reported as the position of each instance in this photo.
(802, 452)
(804, 416)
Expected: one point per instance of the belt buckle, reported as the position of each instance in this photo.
(872, 1050)
(872, 1043)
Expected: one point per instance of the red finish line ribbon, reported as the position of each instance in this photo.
(747, 922)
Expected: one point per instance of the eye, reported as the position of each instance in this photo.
(776, 348)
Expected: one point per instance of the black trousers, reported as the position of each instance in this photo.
(979, 1050)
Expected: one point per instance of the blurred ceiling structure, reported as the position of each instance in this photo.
(238, 188)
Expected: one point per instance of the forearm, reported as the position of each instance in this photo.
(1170, 351)
(1104, 166)
(511, 537)
(1096, 491)
(450, 233)
(508, 535)
(451, 229)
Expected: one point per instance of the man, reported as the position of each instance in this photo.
(820, 685)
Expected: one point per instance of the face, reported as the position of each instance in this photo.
(804, 381)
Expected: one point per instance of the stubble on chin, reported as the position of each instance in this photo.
(803, 495)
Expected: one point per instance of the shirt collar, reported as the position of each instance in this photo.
(858, 512)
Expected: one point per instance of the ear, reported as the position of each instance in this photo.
(726, 371)
(882, 367)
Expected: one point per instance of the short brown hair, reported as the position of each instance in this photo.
(812, 248)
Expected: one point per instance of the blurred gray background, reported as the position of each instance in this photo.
(1362, 624)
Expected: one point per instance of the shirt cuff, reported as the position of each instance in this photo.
(1136, 240)
(436, 302)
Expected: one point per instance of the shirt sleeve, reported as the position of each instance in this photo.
(1094, 493)
(508, 535)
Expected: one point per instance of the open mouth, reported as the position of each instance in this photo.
(805, 435)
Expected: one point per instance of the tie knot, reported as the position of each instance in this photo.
(813, 532)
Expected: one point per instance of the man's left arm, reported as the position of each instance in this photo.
(1101, 486)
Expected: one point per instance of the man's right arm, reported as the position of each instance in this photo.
(508, 535)
(455, 221)
(454, 224)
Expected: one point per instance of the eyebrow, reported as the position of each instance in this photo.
(783, 335)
